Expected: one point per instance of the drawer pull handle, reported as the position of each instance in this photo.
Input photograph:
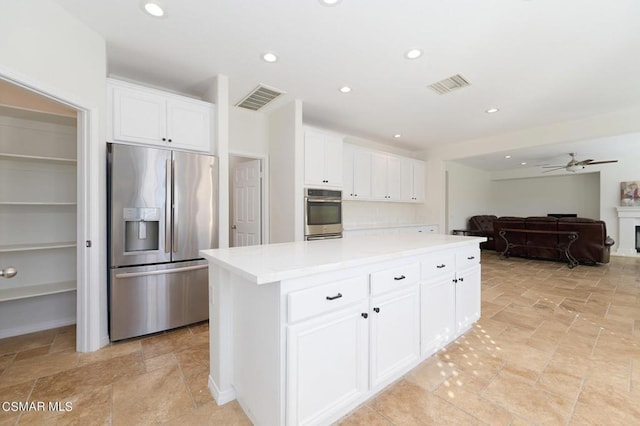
(337, 296)
(365, 315)
(376, 310)
(471, 257)
(440, 266)
(401, 277)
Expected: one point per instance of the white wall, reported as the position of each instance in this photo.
(627, 169)
(575, 193)
(469, 194)
(286, 165)
(41, 45)
(248, 132)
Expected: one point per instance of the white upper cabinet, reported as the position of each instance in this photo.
(386, 177)
(322, 159)
(413, 175)
(140, 115)
(357, 173)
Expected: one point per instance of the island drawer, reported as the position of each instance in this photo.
(467, 257)
(326, 297)
(393, 278)
(438, 265)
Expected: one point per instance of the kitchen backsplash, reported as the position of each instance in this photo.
(369, 213)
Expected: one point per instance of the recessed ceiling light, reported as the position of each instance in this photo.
(153, 9)
(397, 135)
(492, 110)
(329, 2)
(524, 163)
(413, 54)
(345, 89)
(270, 57)
(507, 156)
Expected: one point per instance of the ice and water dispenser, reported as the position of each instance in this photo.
(142, 225)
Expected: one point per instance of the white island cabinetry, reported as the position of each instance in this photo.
(304, 332)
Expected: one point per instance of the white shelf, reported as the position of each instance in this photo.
(38, 158)
(36, 290)
(38, 246)
(38, 203)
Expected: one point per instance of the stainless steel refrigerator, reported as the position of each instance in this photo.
(162, 209)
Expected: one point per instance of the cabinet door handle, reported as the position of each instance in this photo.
(365, 315)
(376, 310)
(164, 139)
(471, 257)
(460, 279)
(455, 280)
(401, 277)
(337, 296)
(440, 266)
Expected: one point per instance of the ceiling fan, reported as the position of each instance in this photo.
(574, 165)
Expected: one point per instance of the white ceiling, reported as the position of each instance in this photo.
(538, 61)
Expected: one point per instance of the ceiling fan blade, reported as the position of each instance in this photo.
(602, 162)
(584, 162)
(558, 166)
(553, 170)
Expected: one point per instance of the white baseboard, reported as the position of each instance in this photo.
(32, 328)
(221, 397)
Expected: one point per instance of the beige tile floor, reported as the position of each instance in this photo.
(554, 346)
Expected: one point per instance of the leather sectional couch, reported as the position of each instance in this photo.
(592, 246)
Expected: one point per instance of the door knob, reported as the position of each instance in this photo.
(8, 272)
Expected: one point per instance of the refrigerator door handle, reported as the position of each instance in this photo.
(167, 208)
(174, 218)
(161, 272)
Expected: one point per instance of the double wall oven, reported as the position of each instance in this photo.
(322, 214)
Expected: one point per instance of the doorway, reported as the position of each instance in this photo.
(246, 200)
(38, 212)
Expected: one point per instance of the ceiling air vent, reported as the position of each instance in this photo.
(259, 97)
(449, 84)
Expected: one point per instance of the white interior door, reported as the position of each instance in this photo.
(245, 220)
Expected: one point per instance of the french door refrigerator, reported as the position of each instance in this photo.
(162, 209)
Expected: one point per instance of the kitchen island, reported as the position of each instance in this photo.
(303, 332)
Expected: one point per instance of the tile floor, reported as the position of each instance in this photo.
(554, 346)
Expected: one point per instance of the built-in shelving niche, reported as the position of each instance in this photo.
(38, 220)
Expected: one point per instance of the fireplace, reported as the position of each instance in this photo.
(628, 231)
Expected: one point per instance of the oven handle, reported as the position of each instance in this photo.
(323, 201)
(322, 237)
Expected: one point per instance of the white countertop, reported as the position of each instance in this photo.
(397, 225)
(275, 262)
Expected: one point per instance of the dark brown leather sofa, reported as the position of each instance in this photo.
(482, 226)
(592, 246)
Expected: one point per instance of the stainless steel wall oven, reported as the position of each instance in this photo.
(322, 214)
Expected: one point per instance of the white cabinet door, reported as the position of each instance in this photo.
(395, 335)
(386, 177)
(326, 364)
(348, 160)
(413, 173)
(419, 170)
(357, 173)
(138, 116)
(438, 314)
(362, 174)
(394, 178)
(333, 160)
(147, 116)
(467, 298)
(379, 176)
(322, 159)
(188, 125)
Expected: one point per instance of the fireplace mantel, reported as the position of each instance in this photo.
(628, 219)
